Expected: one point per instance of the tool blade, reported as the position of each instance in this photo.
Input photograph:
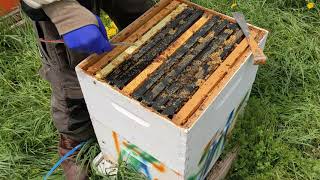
(239, 17)
(122, 44)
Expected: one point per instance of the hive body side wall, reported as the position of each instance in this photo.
(114, 146)
(134, 123)
(207, 136)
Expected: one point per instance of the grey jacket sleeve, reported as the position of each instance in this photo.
(67, 15)
(37, 4)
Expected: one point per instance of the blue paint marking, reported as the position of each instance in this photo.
(146, 169)
(214, 149)
(229, 122)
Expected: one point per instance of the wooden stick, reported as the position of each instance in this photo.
(197, 99)
(147, 21)
(122, 57)
(136, 82)
(258, 56)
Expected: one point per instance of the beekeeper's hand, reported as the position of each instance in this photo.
(88, 39)
(81, 30)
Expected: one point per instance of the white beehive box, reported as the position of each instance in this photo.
(187, 146)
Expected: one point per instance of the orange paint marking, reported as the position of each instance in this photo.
(133, 149)
(159, 167)
(116, 142)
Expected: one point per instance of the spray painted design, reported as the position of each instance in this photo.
(155, 170)
(137, 158)
(214, 148)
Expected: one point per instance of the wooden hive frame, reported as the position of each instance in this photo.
(146, 26)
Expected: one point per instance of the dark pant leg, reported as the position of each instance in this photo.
(69, 111)
(124, 12)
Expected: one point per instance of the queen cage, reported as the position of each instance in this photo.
(166, 103)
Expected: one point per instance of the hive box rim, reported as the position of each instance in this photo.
(186, 144)
(95, 80)
(262, 32)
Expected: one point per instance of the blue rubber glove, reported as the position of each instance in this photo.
(88, 39)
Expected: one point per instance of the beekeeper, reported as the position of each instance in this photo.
(77, 23)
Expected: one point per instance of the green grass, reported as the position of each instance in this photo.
(279, 133)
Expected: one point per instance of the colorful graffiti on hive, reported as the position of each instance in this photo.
(214, 148)
(155, 170)
(137, 158)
